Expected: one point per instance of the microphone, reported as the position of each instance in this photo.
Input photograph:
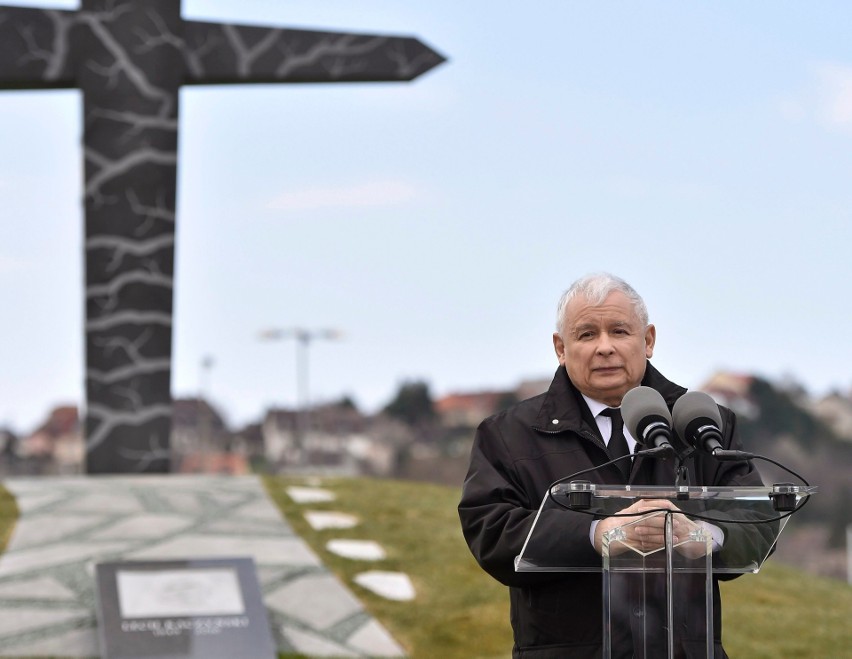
(647, 418)
(698, 422)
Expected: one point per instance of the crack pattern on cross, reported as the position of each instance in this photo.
(338, 51)
(109, 170)
(107, 295)
(123, 62)
(144, 458)
(121, 247)
(56, 55)
(138, 362)
(143, 318)
(107, 419)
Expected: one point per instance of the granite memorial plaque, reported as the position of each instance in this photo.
(182, 609)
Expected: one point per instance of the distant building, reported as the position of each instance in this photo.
(530, 388)
(201, 441)
(8, 443)
(332, 438)
(836, 411)
(733, 390)
(8, 439)
(57, 445)
(380, 447)
(248, 442)
(318, 436)
(280, 441)
(231, 464)
(197, 426)
(469, 409)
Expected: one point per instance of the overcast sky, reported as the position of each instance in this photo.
(703, 151)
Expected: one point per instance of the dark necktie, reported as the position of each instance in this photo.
(617, 445)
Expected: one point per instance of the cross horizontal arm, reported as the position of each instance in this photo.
(35, 48)
(221, 53)
(37, 52)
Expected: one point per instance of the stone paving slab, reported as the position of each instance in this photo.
(310, 494)
(390, 585)
(321, 519)
(359, 550)
(68, 524)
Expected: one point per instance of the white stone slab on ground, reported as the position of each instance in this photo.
(321, 519)
(310, 494)
(390, 585)
(360, 550)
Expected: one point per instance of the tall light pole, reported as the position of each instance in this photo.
(303, 338)
(204, 420)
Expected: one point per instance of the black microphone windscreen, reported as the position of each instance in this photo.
(694, 405)
(639, 404)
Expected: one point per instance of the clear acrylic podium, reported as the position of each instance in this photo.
(660, 602)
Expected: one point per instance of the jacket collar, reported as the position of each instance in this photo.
(563, 407)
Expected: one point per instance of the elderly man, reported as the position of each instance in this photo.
(603, 343)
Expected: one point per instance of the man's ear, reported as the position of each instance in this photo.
(650, 340)
(559, 347)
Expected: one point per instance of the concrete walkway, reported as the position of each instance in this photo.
(67, 525)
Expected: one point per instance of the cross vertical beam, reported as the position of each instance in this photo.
(130, 82)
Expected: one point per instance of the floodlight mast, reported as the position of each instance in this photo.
(204, 412)
(303, 338)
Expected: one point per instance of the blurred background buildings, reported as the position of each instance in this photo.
(417, 437)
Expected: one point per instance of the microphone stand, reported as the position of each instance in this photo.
(681, 478)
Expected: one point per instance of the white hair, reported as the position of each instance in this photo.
(596, 288)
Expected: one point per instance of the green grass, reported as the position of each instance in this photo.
(460, 612)
(8, 516)
(784, 613)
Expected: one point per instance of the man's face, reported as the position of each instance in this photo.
(604, 348)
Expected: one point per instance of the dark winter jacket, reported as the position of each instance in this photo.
(517, 454)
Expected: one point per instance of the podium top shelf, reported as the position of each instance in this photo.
(752, 493)
(744, 523)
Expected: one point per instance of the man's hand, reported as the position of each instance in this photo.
(647, 534)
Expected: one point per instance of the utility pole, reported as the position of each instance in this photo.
(204, 412)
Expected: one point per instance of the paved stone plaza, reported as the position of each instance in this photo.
(67, 525)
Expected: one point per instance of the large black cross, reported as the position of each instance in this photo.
(130, 58)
